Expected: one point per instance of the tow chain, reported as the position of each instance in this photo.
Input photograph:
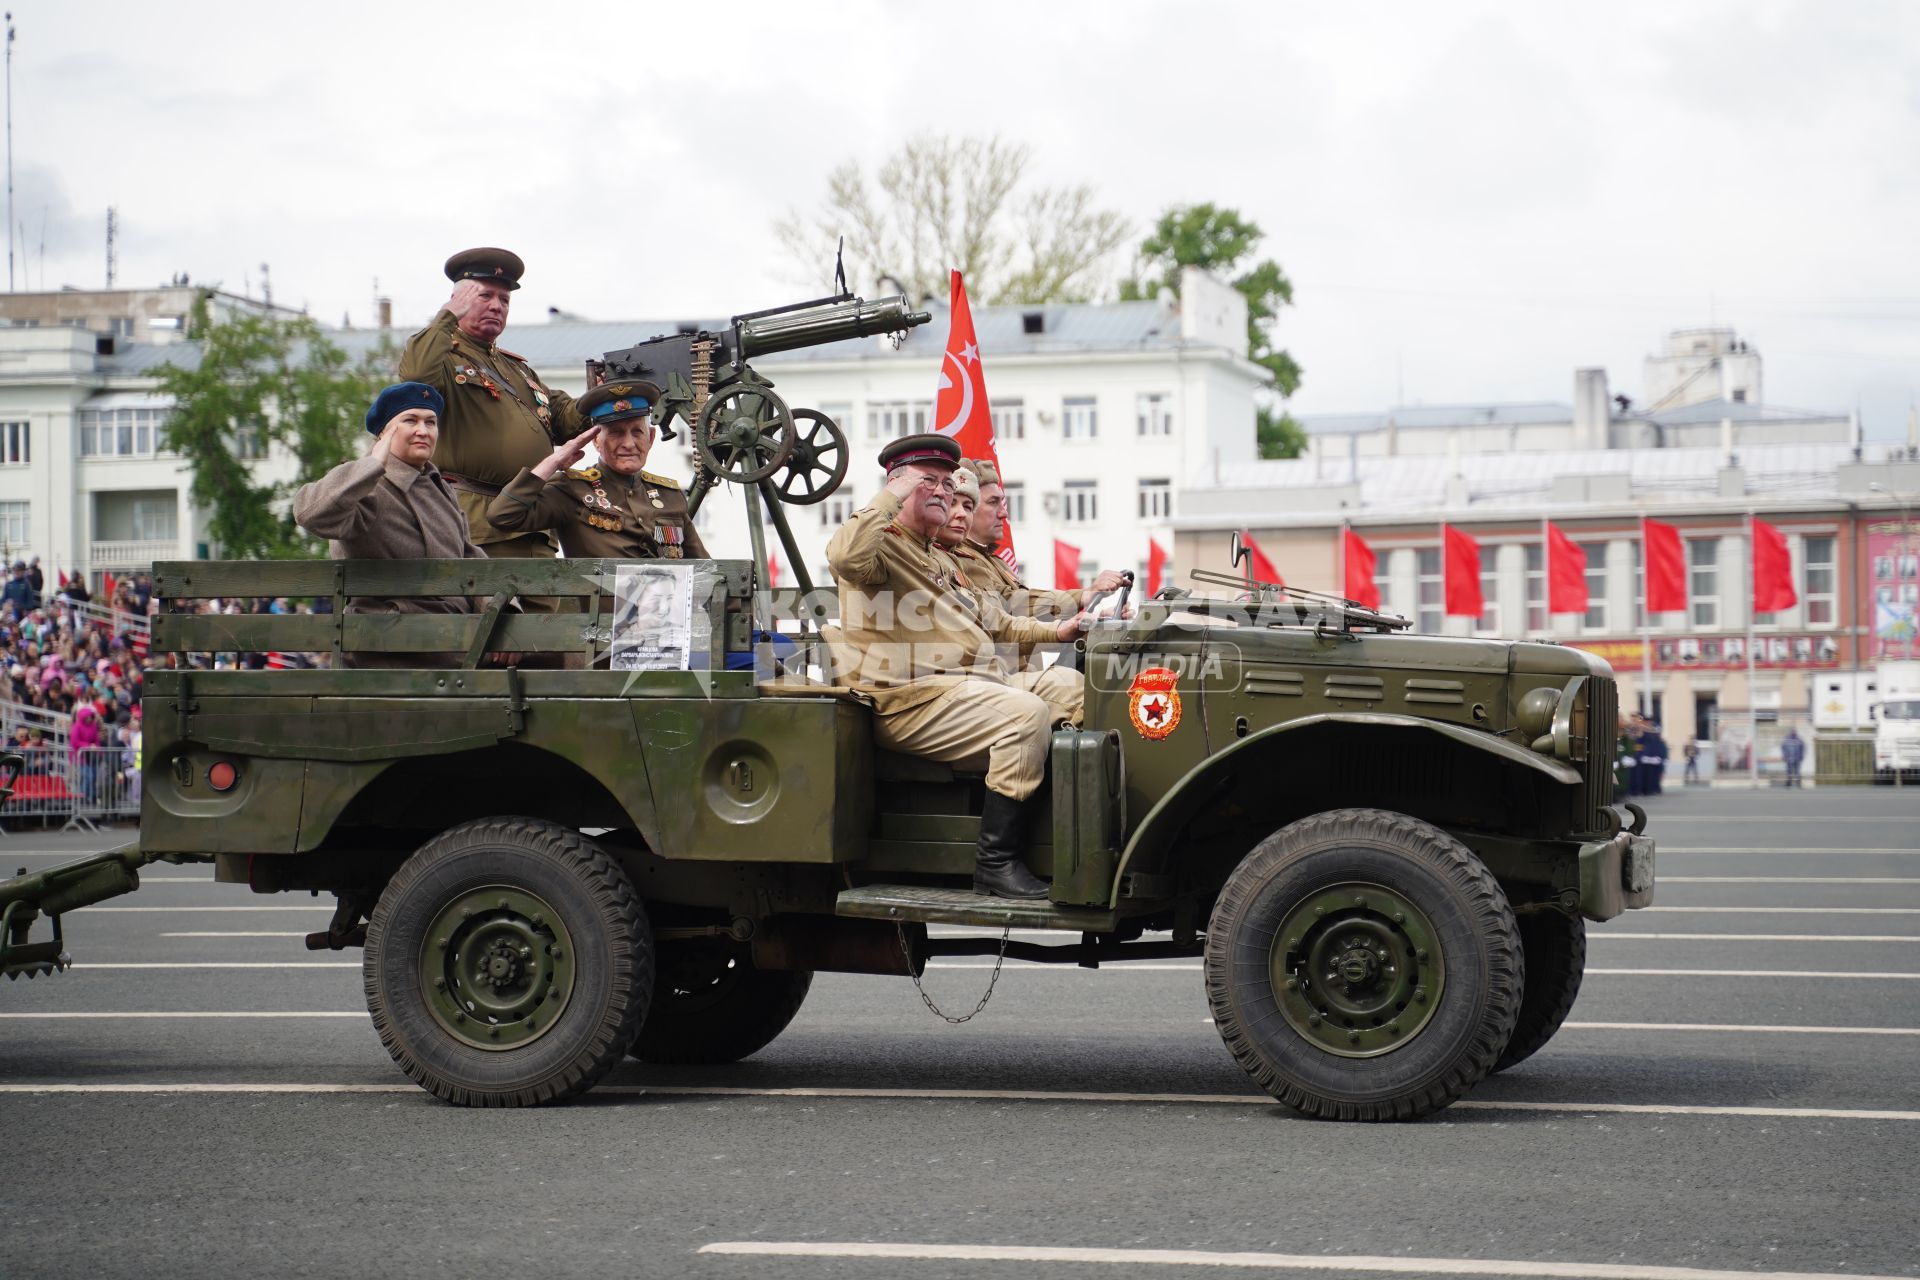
(927, 1000)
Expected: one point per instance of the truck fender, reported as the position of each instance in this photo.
(1175, 808)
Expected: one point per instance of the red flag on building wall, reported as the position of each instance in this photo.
(1066, 566)
(1772, 569)
(1666, 565)
(1460, 572)
(1360, 586)
(1258, 564)
(1156, 567)
(960, 407)
(1566, 573)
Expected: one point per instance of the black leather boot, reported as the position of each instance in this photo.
(1003, 831)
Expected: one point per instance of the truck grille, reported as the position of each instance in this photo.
(1602, 742)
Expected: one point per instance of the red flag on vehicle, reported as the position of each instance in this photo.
(1460, 573)
(1360, 586)
(960, 406)
(1156, 567)
(1772, 569)
(1666, 565)
(1066, 566)
(1566, 573)
(1258, 564)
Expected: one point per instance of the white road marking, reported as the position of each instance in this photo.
(232, 933)
(853, 1094)
(1740, 1027)
(1612, 935)
(1769, 819)
(81, 966)
(1789, 880)
(315, 908)
(1794, 911)
(1357, 1263)
(1825, 849)
(1820, 974)
(231, 1013)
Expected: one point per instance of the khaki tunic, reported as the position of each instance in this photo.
(992, 574)
(374, 509)
(500, 418)
(923, 639)
(601, 514)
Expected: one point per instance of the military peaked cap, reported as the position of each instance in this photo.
(928, 447)
(501, 266)
(619, 400)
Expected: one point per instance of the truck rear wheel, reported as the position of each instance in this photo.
(711, 1005)
(1556, 947)
(1363, 965)
(508, 963)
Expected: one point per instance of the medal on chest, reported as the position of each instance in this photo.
(653, 496)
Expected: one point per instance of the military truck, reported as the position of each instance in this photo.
(1385, 847)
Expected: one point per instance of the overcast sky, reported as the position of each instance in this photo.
(1472, 199)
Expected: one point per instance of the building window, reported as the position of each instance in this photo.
(840, 411)
(16, 525)
(1156, 499)
(1488, 622)
(249, 443)
(1016, 491)
(1639, 587)
(836, 511)
(15, 444)
(1703, 580)
(153, 520)
(120, 326)
(1009, 420)
(1089, 570)
(1536, 588)
(1079, 418)
(1080, 502)
(1596, 619)
(1155, 413)
(1430, 614)
(892, 419)
(121, 433)
(1817, 558)
(1383, 582)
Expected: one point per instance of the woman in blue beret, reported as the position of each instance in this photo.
(392, 505)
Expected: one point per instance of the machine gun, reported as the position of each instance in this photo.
(742, 430)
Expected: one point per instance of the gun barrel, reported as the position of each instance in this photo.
(834, 322)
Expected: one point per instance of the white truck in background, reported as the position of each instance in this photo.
(1896, 733)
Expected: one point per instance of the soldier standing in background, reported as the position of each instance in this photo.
(499, 416)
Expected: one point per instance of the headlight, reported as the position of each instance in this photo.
(1535, 716)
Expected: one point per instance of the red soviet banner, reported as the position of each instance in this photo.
(960, 407)
(1460, 567)
(1772, 569)
(1359, 586)
(1566, 573)
(1666, 565)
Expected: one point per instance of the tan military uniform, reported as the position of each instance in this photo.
(600, 513)
(922, 644)
(500, 418)
(371, 511)
(1022, 601)
(1061, 688)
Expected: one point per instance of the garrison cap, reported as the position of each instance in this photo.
(966, 486)
(617, 401)
(501, 266)
(929, 446)
(983, 470)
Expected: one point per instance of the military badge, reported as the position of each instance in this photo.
(1153, 703)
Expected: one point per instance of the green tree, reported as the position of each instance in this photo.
(263, 381)
(941, 203)
(1222, 243)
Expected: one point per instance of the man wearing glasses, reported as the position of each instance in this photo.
(922, 644)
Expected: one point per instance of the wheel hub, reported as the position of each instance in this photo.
(497, 967)
(1357, 969)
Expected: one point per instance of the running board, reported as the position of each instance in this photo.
(932, 905)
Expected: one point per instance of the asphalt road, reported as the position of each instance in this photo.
(1736, 1094)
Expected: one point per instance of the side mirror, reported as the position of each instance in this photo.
(1239, 551)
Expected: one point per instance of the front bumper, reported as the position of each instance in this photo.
(1616, 875)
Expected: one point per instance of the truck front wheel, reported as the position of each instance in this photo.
(508, 963)
(1364, 965)
(1556, 947)
(711, 1005)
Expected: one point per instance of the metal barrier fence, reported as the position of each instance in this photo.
(86, 789)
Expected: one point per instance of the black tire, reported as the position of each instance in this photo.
(1556, 947)
(597, 983)
(710, 1004)
(1312, 1040)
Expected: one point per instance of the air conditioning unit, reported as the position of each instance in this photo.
(1050, 503)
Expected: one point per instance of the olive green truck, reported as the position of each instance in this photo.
(1384, 847)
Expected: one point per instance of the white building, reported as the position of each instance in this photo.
(1100, 410)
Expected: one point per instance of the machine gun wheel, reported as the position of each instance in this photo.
(744, 434)
(819, 462)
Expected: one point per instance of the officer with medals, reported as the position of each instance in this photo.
(615, 511)
(500, 417)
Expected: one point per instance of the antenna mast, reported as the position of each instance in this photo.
(113, 263)
(9, 152)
